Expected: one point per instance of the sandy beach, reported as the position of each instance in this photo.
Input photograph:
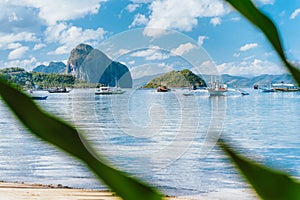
(22, 191)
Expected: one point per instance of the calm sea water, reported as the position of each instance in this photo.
(166, 139)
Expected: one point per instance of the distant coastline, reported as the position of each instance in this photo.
(231, 80)
(41, 80)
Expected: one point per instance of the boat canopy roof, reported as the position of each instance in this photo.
(283, 85)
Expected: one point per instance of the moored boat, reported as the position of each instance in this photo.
(163, 89)
(280, 87)
(59, 90)
(217, 89)
(36, 96)
(285, 87)
(39, 97)
(109, 90)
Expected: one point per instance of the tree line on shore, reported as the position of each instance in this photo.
(29, 80)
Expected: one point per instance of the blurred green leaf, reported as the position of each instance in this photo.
(67, 138)
(260, 20)
(268, 183)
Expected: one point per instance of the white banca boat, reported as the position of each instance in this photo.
(109, 90)
(217, 89)
(279, 87)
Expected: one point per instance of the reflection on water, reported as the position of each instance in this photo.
(165, 138)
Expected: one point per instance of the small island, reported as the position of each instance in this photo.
(177, 79)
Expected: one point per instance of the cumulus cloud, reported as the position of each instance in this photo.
(6, 40)
(215, 21)
(181, 15)
(206, 67)
(263, 2)
(150, 69)
(39, 46)
(249, 46)
(139, 19)
(70, 36)
(27, 64)
(14, 45)
(123, 51)
(141, 1)
(253, 67)
(236, 55)
(13, 17)
(18, 18)
(295, 13)
(18, 53)
(53, 11)
(152, 53)
(132, 7)
(183, 49)
(201, 39)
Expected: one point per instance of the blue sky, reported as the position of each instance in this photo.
(201, 34)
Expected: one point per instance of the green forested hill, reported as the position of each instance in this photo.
(26, 79)
(184, 78)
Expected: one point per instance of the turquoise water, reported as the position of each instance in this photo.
(166, 139)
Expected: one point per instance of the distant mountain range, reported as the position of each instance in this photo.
(231, 81)
(238, 81)
(52, 68)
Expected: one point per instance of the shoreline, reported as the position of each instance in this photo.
(22, 191)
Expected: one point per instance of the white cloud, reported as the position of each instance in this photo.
(251, 68)
(236, 55)
(7, 39)
(132, 62)
(61, 50)
(53, 11)
(27, 64)
(263, 2)
(206, 67)
(13, 45)
(123, 51)
(249, 46)
(181, 15)
(235, 19)
(132, 7)
(183, 49)
(201, 39)
(282, 13)
(152, 53)
(141, 1)
(150, 69)
(215, 21)
(139, 19)
(70, 36)
(18, 18)
(18, 53)
(13, 17)
(295, 13)
(39, 46)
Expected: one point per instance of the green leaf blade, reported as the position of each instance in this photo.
(269, 184)
(66, 137)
